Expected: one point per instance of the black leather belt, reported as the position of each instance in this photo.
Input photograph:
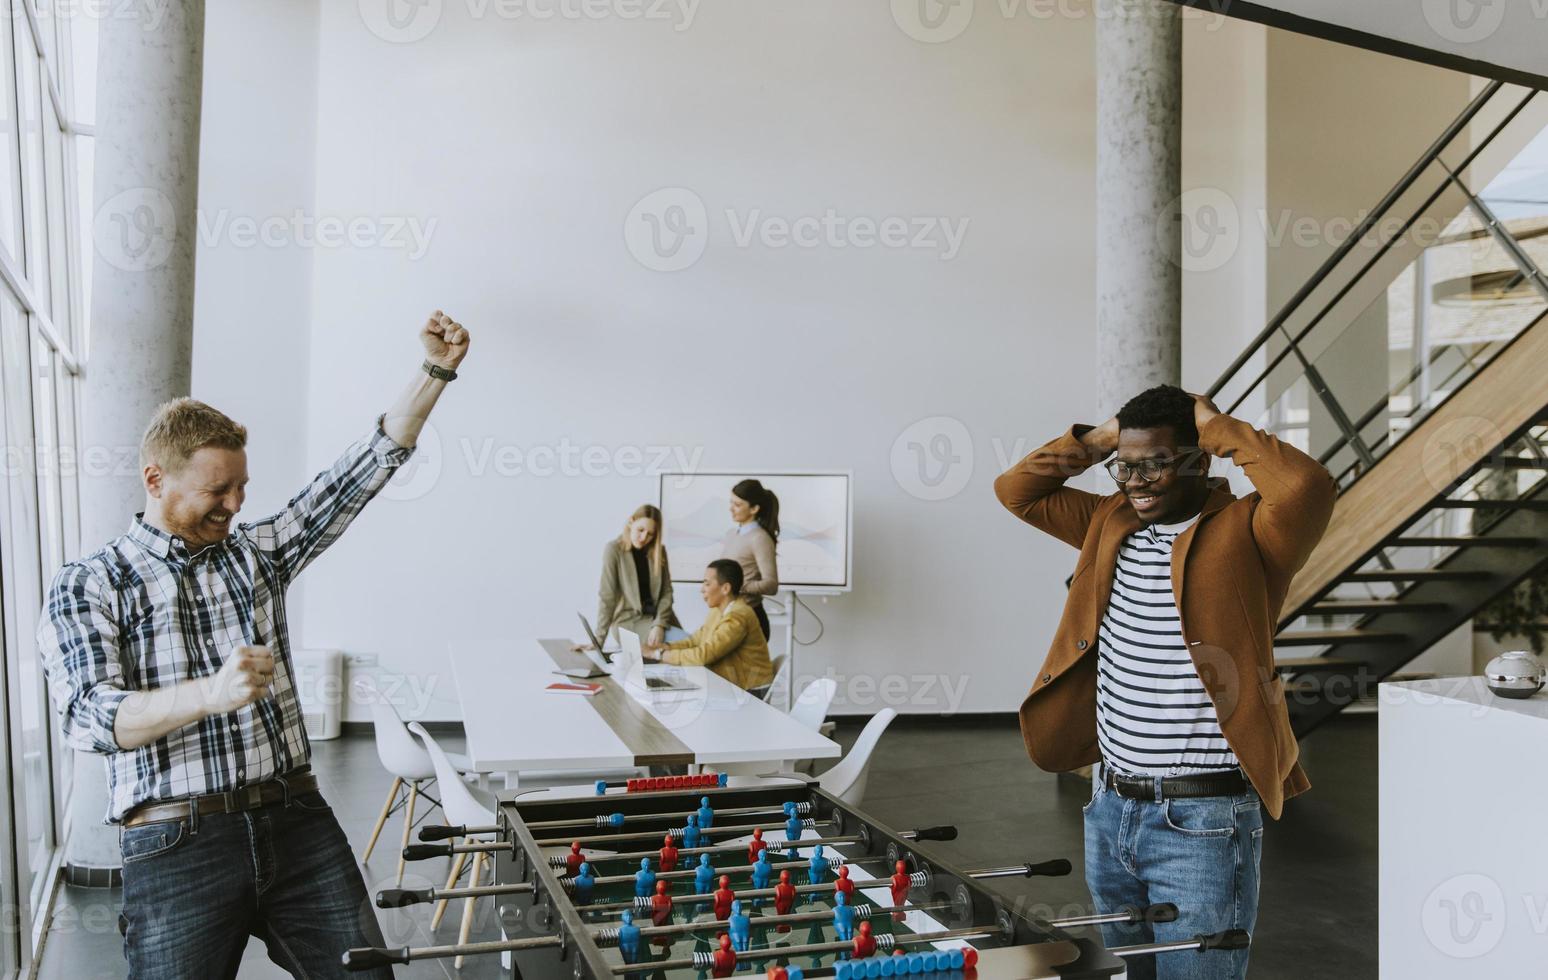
(1226, 782)
(277, 790)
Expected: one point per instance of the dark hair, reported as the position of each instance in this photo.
(1163, 405)
(728, 572)
(762, 498)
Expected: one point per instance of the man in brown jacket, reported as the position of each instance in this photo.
(1162, 667)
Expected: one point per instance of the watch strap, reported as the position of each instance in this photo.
(439, 373)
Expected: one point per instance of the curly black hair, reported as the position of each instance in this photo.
(1162, 405)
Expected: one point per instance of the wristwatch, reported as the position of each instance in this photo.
(439, 373)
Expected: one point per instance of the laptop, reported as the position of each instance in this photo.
(655, 676)
(599, 658)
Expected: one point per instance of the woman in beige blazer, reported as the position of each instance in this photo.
(636, 588)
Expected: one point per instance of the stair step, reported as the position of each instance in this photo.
(1299, 664)
(1309, 638)
(1365, 607)
(1463, 541)
(1533, 504)
(1414, 575)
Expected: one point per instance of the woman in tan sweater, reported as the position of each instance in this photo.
(636, 588)
(751, 544)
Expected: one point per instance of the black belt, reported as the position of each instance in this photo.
(1226, 782)
(277, 790)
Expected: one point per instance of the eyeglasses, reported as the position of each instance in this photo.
(1148, 469)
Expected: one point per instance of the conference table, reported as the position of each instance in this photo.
(516, 725)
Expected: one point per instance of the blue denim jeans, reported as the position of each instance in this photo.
(1199, 854)
(195, 890)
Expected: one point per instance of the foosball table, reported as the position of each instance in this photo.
(680, 877)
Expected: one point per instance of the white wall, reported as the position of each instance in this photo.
(521, 146)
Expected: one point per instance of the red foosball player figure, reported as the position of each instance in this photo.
(843, 884)
(755, 845)
(661, 910)
(900, 886)
(723, 898)
(865, 943)
(784, 897)
(668, 854)
(776, 972)
(724, 963)
(572, 860)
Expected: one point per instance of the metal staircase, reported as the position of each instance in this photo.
(1417, 371)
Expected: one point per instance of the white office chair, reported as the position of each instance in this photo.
(463, 809)
(780, 685)
(847, 779)
(408, 763)
(811, 708)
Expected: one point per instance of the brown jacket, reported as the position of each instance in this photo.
(1230, 573)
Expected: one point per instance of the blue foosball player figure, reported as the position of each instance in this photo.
(741, 928)
(843, 918)
(644, 880)
(706, 815)
(691, 834)
(585, 881)
(762, 871)
(704, 875)
(629, 938)
(817, 868)
(793, 834)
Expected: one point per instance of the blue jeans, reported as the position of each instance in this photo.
(1199, 854)
(195, 890)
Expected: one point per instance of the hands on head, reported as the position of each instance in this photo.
(1104, 438)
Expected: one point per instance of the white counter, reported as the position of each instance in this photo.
(1464, 796)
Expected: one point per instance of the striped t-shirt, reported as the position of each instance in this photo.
(1153, 714)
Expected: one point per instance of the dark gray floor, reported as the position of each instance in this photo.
(1317, 915)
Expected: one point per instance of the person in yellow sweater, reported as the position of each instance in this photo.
(730, 642)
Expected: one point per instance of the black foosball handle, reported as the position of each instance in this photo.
(432, 833)
(1229, 939)
(943, 832)
(1160, 912)
(423, 852)
(372, 957)
(1057, 868)
(398, 898)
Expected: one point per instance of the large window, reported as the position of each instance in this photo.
(41, 328)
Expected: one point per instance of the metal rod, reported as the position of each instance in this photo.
(746, 828)
(977, 932)
(607, 936)
(372, 957)
(743, 893)
(1229, 939)
(728, 848)
(397, 898)
(739, 811)
(690, 872)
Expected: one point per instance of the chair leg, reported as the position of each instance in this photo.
(381, 821)
(451, 880)
(408, 827)
(467, 909)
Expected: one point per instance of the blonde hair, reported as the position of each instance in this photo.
(182, 427)
(657, 550)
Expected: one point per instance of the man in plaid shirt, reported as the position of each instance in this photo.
(168, 651)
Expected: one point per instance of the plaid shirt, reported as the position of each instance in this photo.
(145, 613)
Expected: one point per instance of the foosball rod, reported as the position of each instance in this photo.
(1229, 939)
(945, 832)
(885, 940)
(643, 904)
(375, 957)
(608, 935)
(676, 832)
(737, 869)
(1153, 914)
(398, 898)
(618, 819)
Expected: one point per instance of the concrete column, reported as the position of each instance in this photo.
(1139, 181)
(150, 76)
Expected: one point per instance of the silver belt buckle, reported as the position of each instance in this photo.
(252, 796)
